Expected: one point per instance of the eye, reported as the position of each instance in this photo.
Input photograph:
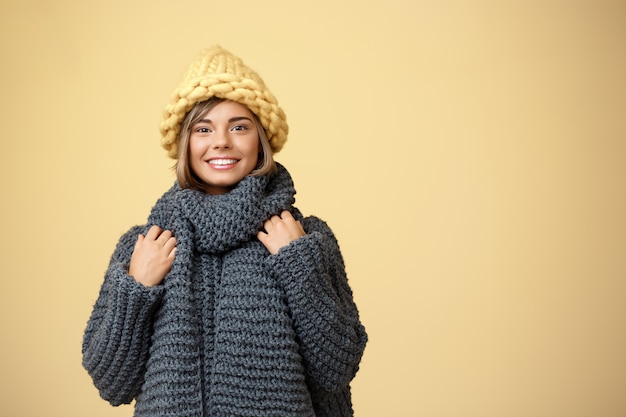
(239, 128)
(202, 130)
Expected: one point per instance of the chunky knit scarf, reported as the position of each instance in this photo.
(226, 334)
(252, 336)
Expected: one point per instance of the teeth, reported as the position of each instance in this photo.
(222, 161)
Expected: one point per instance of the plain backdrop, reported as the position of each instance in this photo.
(469, 155)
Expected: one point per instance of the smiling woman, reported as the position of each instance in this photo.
(223, 146)
(238, 304)
(198, 127)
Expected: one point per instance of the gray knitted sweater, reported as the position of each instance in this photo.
(232, 330)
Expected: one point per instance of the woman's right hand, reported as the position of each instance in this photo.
(152, 256)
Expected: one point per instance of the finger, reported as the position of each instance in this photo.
(164, 237)
(154, 232)
(276, 219)
(291, 221)
(269, 224)
(286, 215)
(170, 244)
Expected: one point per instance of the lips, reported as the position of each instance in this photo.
(222, 161)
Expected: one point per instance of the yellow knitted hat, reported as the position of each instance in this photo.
(218, 73)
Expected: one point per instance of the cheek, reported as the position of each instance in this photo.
(195, 148)
(250, 147)
(196, 152)
(256, 149)
(256, 152)
(255, 146)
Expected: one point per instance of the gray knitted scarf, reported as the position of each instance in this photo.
(255, 363)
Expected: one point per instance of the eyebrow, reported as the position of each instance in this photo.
(231, 120)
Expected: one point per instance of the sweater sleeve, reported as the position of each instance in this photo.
(117, 337)
(325, 317)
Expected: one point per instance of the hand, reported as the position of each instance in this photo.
(152, 256)
(280, 231)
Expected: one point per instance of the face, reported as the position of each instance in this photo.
(224, 146)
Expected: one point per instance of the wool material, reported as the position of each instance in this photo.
(232, 330)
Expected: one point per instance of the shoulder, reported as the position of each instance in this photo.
(314, 226)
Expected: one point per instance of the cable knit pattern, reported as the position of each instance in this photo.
(233, 330)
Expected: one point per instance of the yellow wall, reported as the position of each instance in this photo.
(470, 156)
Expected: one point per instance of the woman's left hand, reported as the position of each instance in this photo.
(280, 231)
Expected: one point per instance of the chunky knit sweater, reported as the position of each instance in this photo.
(232, 330)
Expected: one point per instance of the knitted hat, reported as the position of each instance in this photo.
(218, 73)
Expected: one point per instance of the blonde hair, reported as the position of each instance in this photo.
(185, 175)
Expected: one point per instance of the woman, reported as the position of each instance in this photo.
(228, 302)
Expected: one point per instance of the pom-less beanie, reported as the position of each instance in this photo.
(218, 73)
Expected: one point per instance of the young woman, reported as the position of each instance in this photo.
(228, 302)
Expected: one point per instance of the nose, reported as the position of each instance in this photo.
(221, 139)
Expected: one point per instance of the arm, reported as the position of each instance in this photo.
(117, 337)
(326, 319)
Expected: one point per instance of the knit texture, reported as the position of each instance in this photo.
(219, 73)
(233, 330)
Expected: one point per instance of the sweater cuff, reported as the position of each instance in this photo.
(303, 254)
(118, 334)
(132, 293)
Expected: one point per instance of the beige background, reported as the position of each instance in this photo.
(470, 156)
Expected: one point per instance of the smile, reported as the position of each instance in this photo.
(223, 161)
